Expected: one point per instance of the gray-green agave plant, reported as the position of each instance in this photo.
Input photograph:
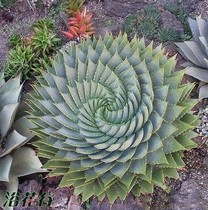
(196, 52)
(15, 160)
(113, 117)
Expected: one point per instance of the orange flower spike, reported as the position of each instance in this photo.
(90, 32)
(72, 19)
(73, 31)
(90, 25)
(80, 25)
(88, 18)
(84, 12)
(78, 16)
(82, 29)
(68, 35)
(84, 35)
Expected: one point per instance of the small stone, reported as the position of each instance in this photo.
(101, 32)
(167, 18)
(189, 197)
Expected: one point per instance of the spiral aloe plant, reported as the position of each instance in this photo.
(15, 160)
(113, 118)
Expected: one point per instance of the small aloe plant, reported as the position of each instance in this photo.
(16, 160)
(80, 26)
(113, 118)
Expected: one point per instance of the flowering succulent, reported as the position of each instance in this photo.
(112, 117)
(80, 26)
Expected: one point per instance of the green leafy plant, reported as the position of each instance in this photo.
(15, 39)
(197, 54)
(33, 52)
(41, 64)
(44, 42)
(169, 34)
(182, 16)
(44, 24)
(112, 117)
(1, 4)
(152, 13)
(72, 6)
(16, 160)
(145, 23)
(7, 3)
(147, 28)
(174, 8)
(130, 23)
(20, 61)
(57, 8)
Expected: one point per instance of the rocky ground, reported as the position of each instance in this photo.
(190, 192)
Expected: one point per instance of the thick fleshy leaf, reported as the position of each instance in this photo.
(196, 52)
(25, 162)
(14, 140)
(203, 92)
(198, 73)
(7, 116)
(5, 166)
(111, 115)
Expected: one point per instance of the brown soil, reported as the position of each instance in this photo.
(21, 19)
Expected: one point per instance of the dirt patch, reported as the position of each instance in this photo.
(101, 20)
(21, 19)
(202, 9)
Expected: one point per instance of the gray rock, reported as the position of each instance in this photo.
(170, 20)
(3, 48)
(202, 9)
(60, 197)
(188, 5)
(183, 2)
(101, 32)
(189, 197)
(163, 2)
(29, 186)
(121, 8)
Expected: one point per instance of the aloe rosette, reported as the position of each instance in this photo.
(16, 160)
(112, 117)
(196, 53)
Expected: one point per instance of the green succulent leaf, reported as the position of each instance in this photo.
(5, 166)
(15, 161)
(112, 117)
(203, 92)
(22, 159)
(196, 52)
